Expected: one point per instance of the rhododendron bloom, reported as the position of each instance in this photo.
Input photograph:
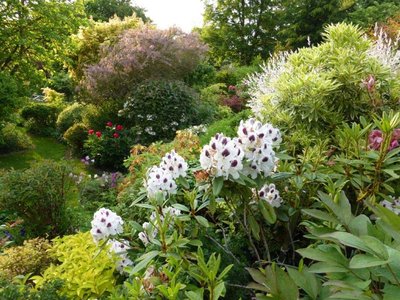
(105, 223)
(222, 157)
(270, 194)
(109, 124)
(91, 131)
(116, 135)
(98, 133)
(175, 164)
(119, 127)
(120, 248)
(369, 83)
(160, 180)
(257, 141)
(393, 206)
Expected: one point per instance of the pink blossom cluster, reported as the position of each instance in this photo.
(375, 139)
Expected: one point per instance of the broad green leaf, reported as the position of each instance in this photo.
(180, 207)
(376, 246)
(254, 227)
(219, 291)
(218, 183)
(327, 267)
(360, 261)
(257, 275)
(267, 211)
(202, 221)
(318, 214)
(327, 253)
(195, 295)
(144, 260)
(306, 281)
(349, 239)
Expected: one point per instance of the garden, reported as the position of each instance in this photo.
(257, 157)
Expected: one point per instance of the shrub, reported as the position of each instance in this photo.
(20, 291)
(41, 118)
(157, 109)
(38, 196)
(202, 76)
(32, 257)
(87, 273)
(227, 126)
(141, 54)
(13, 138)
(76, 136)
(71, 115)
(109, 147)
(316, 89)
(233, 75)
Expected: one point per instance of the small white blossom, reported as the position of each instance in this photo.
(393, 206)
(175, 164)
(222, 157)
(257, 141)
(144, 238)
(270, 194)
(120, 248)
(105, 223)
(160, 180)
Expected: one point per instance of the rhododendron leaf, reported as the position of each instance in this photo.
(218, 183)
(202, 221)
(267, 211)
(254, 226)
(144, 261)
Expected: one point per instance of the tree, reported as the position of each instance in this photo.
(34, 35)
(138, 55)
(87, 44)
(240, 30)
(103, 10)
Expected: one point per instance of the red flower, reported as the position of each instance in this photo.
(98, 133)
(91, 131)
(231, 88)
(109, 124)
(119, 127)
(116, 135)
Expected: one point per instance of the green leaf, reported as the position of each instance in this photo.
(326, 253)
(182, 181)
(144, 261)
(218, 183)
(349, 239)
(257, 275)
(219, 290)
(180, 207)
(267, 211)
(320, 215)
(360, 261)
(306, 281)
(327, 267)
(195, 295)
(202, 221)
(255, 228)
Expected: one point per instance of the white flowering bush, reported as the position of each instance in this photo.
(161, 179)
(105, 224)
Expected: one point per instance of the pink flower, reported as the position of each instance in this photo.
(231, 88)
(109, 124)
(98, 133)
(369, 83)
(91, 131)
(393, 144)
(119, 127)
(116, 135)
(396, 134)
(375, 139)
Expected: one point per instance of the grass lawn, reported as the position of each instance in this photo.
(45, 148)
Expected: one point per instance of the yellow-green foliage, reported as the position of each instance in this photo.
(86, 271)
(32, 257)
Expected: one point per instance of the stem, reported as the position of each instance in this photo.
(266, 245)
(227, 251)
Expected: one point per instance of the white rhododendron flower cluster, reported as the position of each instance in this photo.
(121, 248)
(162, 178)
(251, 153)
(257, 141)
(105, 223)
(394, 206)
(222, 157)
(270, 194)
(150, 228)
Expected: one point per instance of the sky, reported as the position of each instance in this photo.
(185, 14)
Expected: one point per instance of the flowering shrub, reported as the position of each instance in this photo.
(110, 147)
(375, 139)
(157, 109)
(145, 54)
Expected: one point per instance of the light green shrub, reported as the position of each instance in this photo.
(71, 115)
(87, 273)
(32, 257)
(13, 138)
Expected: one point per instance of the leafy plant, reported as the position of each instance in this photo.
(86, 271)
